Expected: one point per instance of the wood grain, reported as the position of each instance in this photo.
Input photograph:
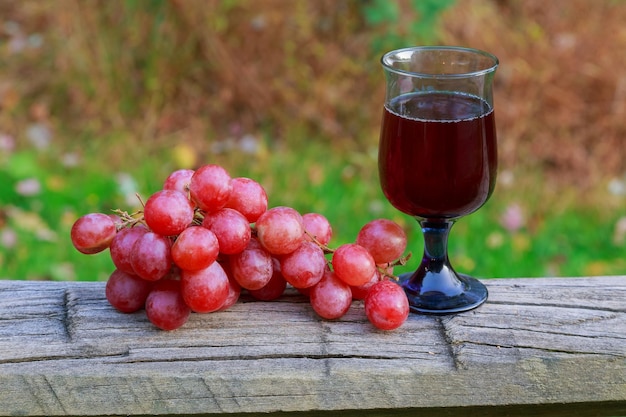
(65, 351)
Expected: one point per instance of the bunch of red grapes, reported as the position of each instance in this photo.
(205, 237)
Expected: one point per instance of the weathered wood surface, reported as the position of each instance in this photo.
(65, 351)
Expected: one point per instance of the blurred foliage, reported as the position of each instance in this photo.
(418, 22)
(100, 99)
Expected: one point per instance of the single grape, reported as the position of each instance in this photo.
(384, 239)
(210, 187)
(206, 290)
(125, 292)
(195, 248)
(386, 305)
(305, 266)
(179, 180)
(331, 297)
(353, 264)
(280, 230)
(122, 246)
(359, 292)
(168, 212)
(234, 289)
(252, 268)
(93, 233)
(231, 228)
(317, 226)
(151, 257)
(165, 306)
(247, 197)
(274, 288)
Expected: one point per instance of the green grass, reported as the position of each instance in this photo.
(309, 176)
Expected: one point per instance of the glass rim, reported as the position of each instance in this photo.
(387, 64)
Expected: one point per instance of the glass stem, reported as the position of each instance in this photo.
(435, 287)
(435, 276)
(435, 256)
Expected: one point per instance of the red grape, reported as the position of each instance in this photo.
(122, 246)
(384, 239)
(318, 226)
(231, 228)
(210, 187)
(151, 256)
(359, 292)
(386, 305)
(274, 288)
(125, 292)
(305, 266)
(280, 230)
(247, 197)
(195, 248)
(165, 306)
(234, 289)
(168, 212)
(93, 233)
(252, 268)
(179, 180)
(353, 264)
(205, 290)
(331, 297)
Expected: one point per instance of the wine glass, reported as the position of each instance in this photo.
(437, 159)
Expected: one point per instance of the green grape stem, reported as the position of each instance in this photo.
(129, 220)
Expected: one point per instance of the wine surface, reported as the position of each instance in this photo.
(438, 154)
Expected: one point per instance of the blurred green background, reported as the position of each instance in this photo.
(103, 99)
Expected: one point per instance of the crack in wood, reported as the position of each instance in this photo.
(68, 325)
(53, 358)
(56, 397)
(265, 357)
(540, 303)
(449, 340)
(544, 349)
(550, 332)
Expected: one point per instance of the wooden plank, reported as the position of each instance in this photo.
(65, 351)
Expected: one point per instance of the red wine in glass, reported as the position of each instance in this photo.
(438, 159)
(438, 155)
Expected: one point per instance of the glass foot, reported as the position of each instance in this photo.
(428, 296)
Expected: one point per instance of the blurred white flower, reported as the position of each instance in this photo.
(39, 135)
(8, 238)
(513, 218)
(565, 41)
(127, 186)
(506, 178)
(258, 22)
(222, 146)
(18, 40)
(7, 142)
(495, 240)
(70, 159)
(249, 144)
(28, 187)
(35, 41)
(376, 207)
(617, 187)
